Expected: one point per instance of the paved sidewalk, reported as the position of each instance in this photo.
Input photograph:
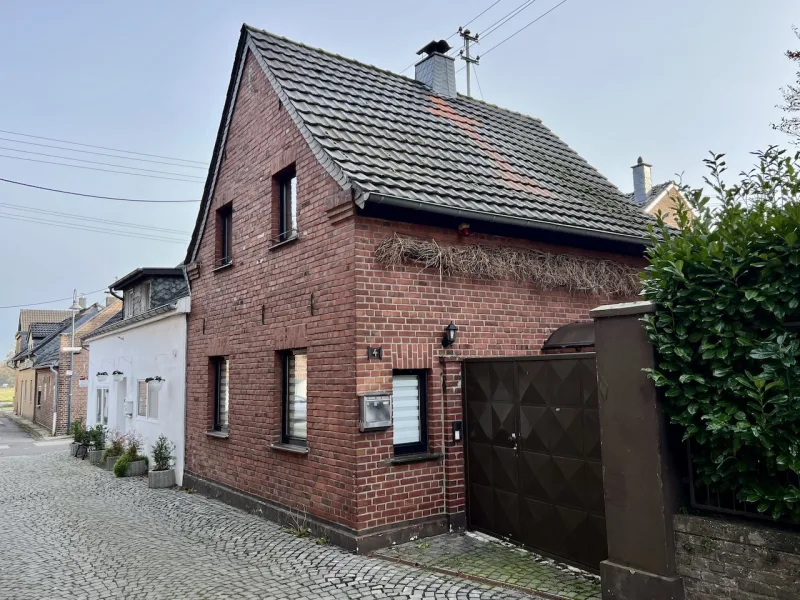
(487, 559)
(16, 440)
(72, 531)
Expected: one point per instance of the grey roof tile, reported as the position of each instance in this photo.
(654, 192)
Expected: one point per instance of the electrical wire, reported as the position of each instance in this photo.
(52, 301)
(94, 162)
(53, 213)
(129, 234)
(478, 81)
(114, 198)
(39, 137)
(158, 162)
(520, 30)
(502, 21)
(49, 162)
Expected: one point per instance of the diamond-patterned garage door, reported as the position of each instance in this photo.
(534, 471)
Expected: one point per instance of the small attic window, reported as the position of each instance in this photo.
(136, 300)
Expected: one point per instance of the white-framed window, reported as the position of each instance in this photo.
(136, 300)
(102, 406)
(146, 401)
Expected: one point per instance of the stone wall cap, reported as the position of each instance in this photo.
(623, 309)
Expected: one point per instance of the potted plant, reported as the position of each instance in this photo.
(78, 433)
(118, 376)
(83, 382)
(102, 376)
(162, 475)
(115, 449)
(97, 438)
(132, 462)
(155, 383)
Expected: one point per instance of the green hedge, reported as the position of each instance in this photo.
(725, 285)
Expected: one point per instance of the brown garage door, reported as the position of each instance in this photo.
(534, 472)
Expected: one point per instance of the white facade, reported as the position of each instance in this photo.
(149, 348)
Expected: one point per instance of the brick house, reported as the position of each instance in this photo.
(45, 363)
(323, 170)
(655, 198)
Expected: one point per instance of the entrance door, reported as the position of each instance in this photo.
(534, 471)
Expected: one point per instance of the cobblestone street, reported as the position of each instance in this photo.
(73, 531)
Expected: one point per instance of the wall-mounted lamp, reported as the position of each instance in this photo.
(449, 335)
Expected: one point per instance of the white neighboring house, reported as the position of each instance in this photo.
(146, 340)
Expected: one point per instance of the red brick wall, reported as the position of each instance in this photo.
(405, 310)
(226, 319)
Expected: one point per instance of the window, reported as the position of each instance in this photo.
(410, 412)
(38, 398)
(295, 397)
(146, 401)
(136, 300)
(287, 205)
(221, 367)
(102, 405)
(225, 235)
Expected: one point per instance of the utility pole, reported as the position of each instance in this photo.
(464, 53)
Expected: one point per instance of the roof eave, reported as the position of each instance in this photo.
(142, 272)
(507, 220)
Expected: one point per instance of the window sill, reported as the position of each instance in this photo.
(413, 458)
(218, 434)
(292, 448)
(285, 242)
(227, 265)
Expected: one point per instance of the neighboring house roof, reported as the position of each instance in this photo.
(48, 348)
(655, 193)
(40, 330)
(393, 141)
(138, 275)
(28, 316)
(118, 322)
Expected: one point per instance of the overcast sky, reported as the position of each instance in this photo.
(615, 79)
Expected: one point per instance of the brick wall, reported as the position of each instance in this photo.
(667, 206)
(722, 558)
(405, 310)
(298, 295)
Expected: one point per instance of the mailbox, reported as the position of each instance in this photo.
(376, 412)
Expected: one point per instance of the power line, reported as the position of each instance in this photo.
(474, 70)
(158, 162)
(449, 38)
(94, 162)
(520, 30)
(52, 301)
(93, 219)
(505, 19)
(39, 187)
(49, 162)
(39, 137)
(76, 227)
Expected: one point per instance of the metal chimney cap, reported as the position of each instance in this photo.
(433, 46)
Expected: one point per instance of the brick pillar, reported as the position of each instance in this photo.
(641, 479)
(454, 451)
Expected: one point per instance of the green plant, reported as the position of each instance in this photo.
(121, 466)
(725, 285)
(133, 445)
(163, 451)
(77, 431)
(97, 436)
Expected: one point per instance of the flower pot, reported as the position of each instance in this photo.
(156, 385)
(110, 461)
(94, 456)
(102, 378)
(136, 467)
(161, 479)
(83, 383)
(118, 377)
(73, 448)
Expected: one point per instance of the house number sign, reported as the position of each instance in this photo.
(376, 353)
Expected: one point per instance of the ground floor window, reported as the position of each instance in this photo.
(295, 397)
(147, 400)
(102, 406)
(221, 374)
(409, 423)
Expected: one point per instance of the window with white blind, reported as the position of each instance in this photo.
(221, 367)
(295, 397)
(146, 401)
(101, 418)
(409, 421)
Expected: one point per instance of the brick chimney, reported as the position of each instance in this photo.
(437, 71)
(642, 182)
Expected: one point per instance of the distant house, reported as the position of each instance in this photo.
(145, 340)
(655, 199)
(44, 367)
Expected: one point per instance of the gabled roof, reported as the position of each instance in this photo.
(46, 353)
(655, 192)
(391, 140)
(40, 330)
(27, 316)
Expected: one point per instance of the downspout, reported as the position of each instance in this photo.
(55, 399)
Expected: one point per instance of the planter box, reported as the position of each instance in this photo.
(161, 479)
(137, 467)
(94, 456)
(73, 448)
(110, 462)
